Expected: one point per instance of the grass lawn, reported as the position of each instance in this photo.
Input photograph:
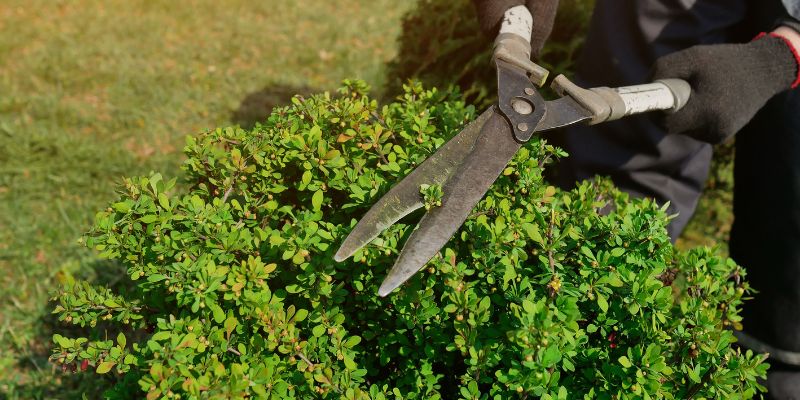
(91, 91)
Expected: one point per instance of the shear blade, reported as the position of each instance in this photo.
(404, 197)
(493, 149)
(562, 112)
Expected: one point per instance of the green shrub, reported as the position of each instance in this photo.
(542, 293)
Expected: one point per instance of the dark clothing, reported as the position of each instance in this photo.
(765, 237)
(793, 8)
(625, 39)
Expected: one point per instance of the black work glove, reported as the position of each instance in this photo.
(490, 14)
(730, 83)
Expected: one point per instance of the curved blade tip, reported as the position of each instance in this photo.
(386, 288)
(341, 255)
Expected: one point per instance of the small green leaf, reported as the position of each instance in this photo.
(625, 362)
(230, 325)
(163, 335)
(163, 200)
(216, 310)
(349, 363)
(105, 366)
(122, 206)
(300, 315)
(352, 341)
(602, 302)
(694, 374)
(551, 356)
(528, 307)
(149, 219)
(62, 341)
(318, 330)
(316, 200)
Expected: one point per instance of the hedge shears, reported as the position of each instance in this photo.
(467, 165)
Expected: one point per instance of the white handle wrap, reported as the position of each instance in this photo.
(519, 21)
(644, 98)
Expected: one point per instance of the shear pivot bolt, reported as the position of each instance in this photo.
(521, 107)
(522, 126)
(529, 91)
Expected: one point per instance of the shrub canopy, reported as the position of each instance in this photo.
(542, 293)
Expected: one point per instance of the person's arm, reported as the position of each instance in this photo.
(731, 82)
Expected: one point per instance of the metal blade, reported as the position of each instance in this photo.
(493, 149)
(562, 112)
(404, 197)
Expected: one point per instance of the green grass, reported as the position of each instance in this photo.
(91, 91)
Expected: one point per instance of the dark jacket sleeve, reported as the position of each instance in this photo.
(790, 22)
(792, 18)
(490, 13)
(793, 7)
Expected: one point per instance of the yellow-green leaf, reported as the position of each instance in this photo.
(316, 200)
(105, 366)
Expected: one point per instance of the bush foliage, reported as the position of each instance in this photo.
(542, 293)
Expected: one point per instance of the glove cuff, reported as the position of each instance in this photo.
(794, 51)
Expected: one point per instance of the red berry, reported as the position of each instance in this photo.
(613, 345)
(612, 337)
(84, 365)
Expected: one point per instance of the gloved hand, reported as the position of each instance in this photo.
(730, 83)
(490, 13)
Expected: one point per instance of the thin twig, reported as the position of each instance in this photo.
(479, 213)
(550, 241)
(230, 189)
(544, 161)
(304, 358)
(234, 351)
(228, 192)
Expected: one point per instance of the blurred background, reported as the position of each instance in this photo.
(91, 91)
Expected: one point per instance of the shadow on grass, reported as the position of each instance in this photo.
(257, 106)
(48, 380)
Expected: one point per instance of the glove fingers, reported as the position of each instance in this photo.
(689, 120)
(676, 65)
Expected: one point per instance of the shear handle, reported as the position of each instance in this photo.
(513, 43)
(609, 104)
